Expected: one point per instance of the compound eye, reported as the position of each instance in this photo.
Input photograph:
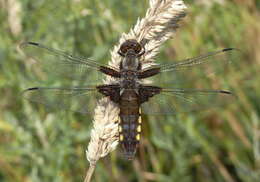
(124, 48)
(137, 47)
(130, 44)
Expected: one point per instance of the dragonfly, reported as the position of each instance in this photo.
(130, 88)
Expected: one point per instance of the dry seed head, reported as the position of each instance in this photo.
(158, 25)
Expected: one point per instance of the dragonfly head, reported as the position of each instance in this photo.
(130, 47)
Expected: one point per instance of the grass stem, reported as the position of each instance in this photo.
(90, 173)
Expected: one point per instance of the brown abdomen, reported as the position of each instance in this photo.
(130, 123)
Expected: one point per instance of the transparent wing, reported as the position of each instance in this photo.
(202, 59)
(172, 101)
(82, 100)
(59, 64)
(204, 66)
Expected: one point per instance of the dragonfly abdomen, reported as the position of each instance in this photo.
(130, 123)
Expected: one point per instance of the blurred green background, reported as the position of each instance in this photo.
(37, 144)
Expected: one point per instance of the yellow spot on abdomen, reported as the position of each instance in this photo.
(139, 120)
(138, 129)
(137, 137)
(121, 137)
(120, 129)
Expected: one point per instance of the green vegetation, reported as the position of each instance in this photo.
(37, 144)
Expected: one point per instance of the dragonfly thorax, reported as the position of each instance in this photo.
(129, 79)
(130, 62)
